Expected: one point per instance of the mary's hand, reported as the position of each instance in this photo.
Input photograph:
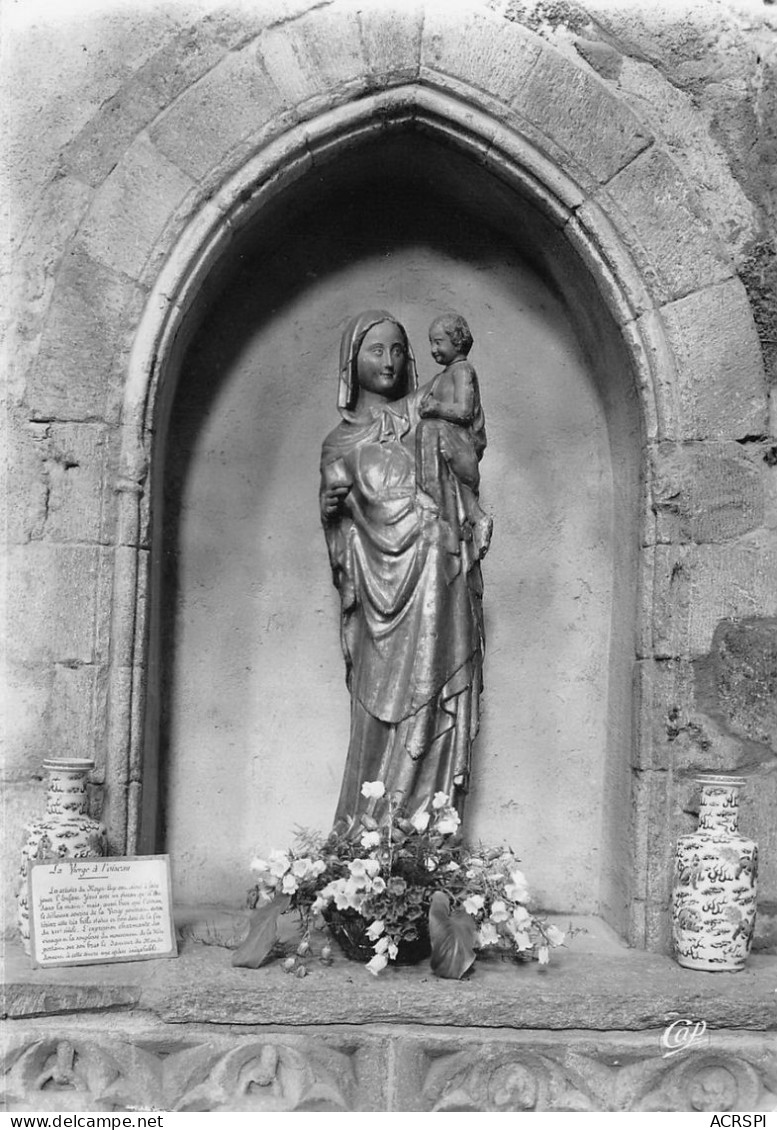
(333, 501)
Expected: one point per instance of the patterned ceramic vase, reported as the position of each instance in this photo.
(65, 832)
(713, 909)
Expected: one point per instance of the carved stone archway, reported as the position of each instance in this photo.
(560, 139)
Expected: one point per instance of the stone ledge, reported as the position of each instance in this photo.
(625, 990)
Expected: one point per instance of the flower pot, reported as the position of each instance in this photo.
(714, 899)
(349, 930)
(65, 832)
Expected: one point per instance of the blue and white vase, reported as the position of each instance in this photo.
(67, 831)
(716, 868)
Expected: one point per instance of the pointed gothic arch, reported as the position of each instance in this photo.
(664, 299)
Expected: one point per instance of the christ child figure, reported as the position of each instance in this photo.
(452, 427)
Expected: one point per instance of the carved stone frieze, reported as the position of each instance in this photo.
(590, 1078)
(260, 1075)
(506, 1079)
(70, 1072)
(715, 1082)
(88, 1073)
(110, 1066)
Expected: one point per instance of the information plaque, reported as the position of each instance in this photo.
(84, 911)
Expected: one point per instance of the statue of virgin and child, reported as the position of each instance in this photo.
(405, 533)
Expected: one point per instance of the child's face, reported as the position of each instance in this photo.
(443, 349)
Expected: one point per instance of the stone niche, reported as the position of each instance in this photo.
(200, 226)
(248, 737)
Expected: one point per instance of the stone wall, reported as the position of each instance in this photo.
(149, 139)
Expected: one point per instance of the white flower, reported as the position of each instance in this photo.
(279, 863)
(342, 898)
(439, 800)
(260, 865)
(377, 963)
(499, 912)
(373, 789)
(487, 935)
(375, 930)
(517, 889)
(543, 955)
(302, 868)
(378, 885)
(554, 935)
(355, 892)
(420, 820)
(516, 893)
(346, 894)
(370, 840)
(431, 863)
(318, 868)
(320, 903)
(521, 916)
(521, 939)
(363, 870)
(448, 822)
(381, 945)
(473, 904)
(289, 884)
(393, 950)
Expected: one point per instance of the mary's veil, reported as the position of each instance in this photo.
(353, 335)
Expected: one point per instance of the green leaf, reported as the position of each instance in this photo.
(453, 938)
(262, 934)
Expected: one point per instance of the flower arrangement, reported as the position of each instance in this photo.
(398, 890)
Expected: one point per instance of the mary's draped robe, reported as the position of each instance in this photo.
(411, 615)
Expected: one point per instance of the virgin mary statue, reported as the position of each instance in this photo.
(409, 583)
